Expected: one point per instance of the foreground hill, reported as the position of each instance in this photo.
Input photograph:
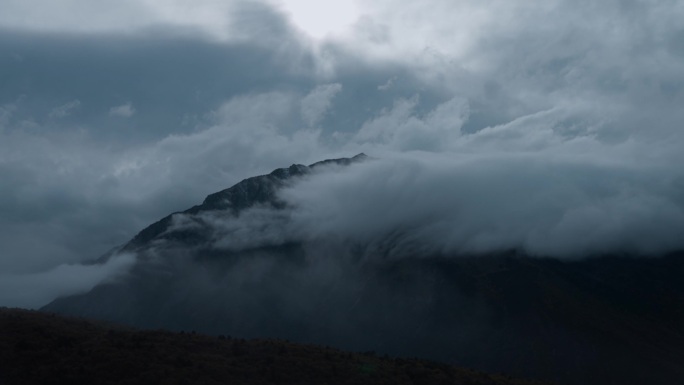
(39, 348)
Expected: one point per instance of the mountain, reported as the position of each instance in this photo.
(234, 265)
(38, 348)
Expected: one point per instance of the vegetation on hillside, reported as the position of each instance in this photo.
(41, 348)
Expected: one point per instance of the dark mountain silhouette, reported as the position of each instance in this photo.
(603, 320)
(37, 348)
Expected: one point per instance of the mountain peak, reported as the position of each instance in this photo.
(249, 192)
(341, 161)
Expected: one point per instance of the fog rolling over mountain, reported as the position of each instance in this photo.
(414, 257)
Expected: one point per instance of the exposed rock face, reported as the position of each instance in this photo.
(594, 321)
(249, 192)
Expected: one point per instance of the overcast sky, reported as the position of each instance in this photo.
(556, 127)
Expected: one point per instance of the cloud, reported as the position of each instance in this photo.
(320, 20)
(400, 128)
(317, 103)
(387, 85)
(36, 289)
(61, 68)
(565, 206)
(6, 112)
(125, 110)
(65, 109)
(127, 17)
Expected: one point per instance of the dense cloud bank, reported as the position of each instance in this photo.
(546, 207)
(428, 205)
(555, 129)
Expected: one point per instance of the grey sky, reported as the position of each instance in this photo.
(113, 114)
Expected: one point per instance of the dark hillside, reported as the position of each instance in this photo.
(40, 348)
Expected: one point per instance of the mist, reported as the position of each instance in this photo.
(36, 289)
(555, 206)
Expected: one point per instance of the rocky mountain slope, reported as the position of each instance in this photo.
(248, 193)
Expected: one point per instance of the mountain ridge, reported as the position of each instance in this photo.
(244, 194)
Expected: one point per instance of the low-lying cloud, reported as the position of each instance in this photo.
(544, 206)
(36, 289)
(125, 110)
